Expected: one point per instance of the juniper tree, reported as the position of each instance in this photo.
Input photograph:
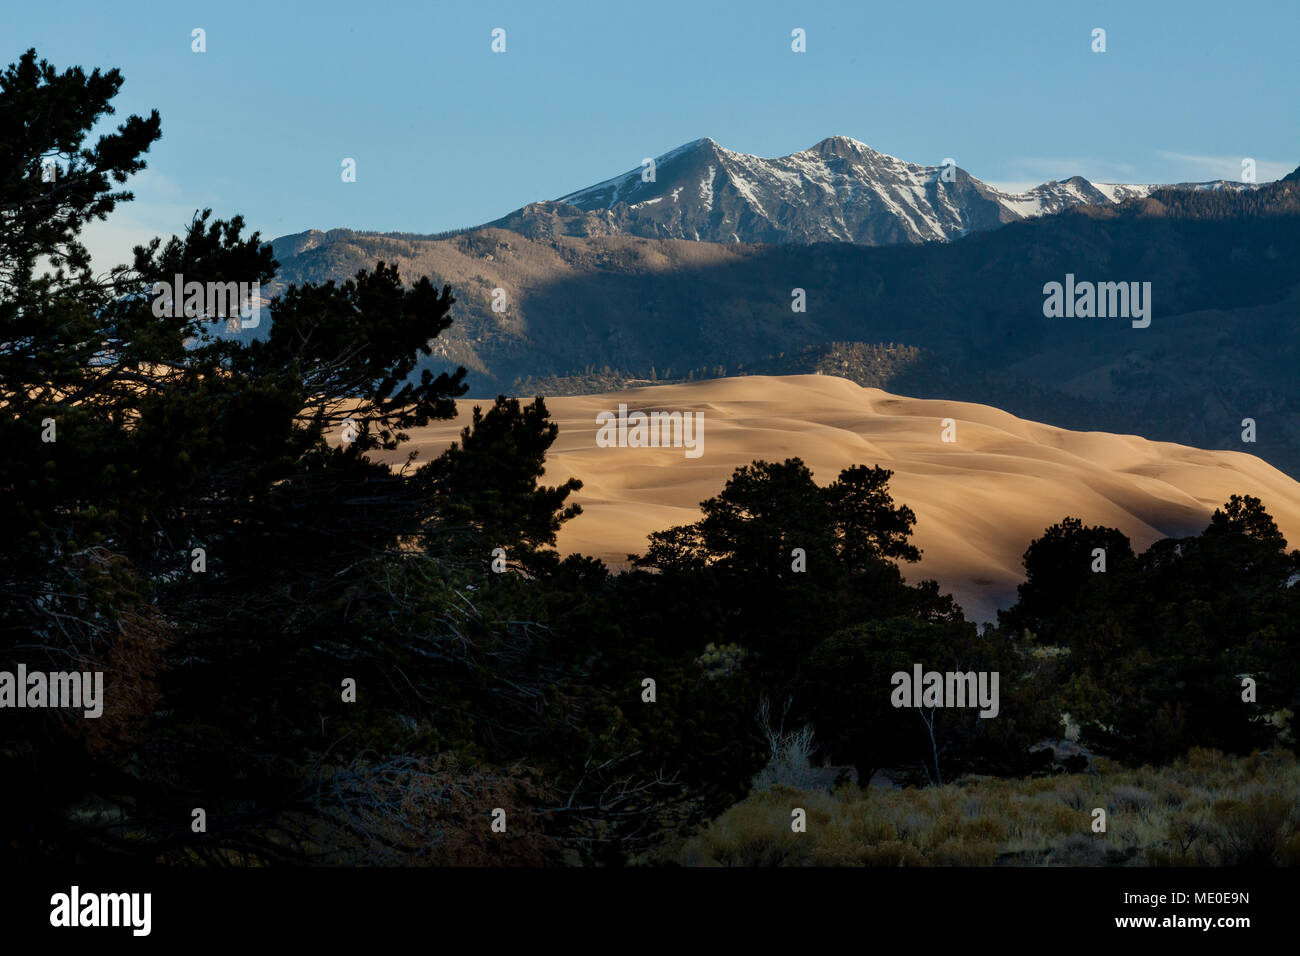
(1161, 644)
(1064, 573)
(777, 602)
(487, 485)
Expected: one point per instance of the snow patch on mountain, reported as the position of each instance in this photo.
(706, 188)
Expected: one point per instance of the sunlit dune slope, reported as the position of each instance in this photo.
(979, 501)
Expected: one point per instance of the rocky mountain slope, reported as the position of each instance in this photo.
(840, 190)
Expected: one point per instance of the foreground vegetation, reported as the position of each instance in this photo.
(1206, 809)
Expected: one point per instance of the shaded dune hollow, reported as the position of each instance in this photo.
(979, 500)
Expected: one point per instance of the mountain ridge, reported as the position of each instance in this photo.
(838, 190)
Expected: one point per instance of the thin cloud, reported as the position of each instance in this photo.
(159, 209)
(1042, 169)
(1201, 168)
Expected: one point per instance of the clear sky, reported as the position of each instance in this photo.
(446, 133)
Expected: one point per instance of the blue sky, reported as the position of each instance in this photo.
(446, 133)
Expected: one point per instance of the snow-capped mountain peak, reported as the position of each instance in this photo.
(839, 190)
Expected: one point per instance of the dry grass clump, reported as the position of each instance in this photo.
(1208, 809)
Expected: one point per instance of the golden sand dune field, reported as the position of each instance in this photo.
(979, 500)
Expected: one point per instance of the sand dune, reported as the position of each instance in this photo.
(979, 501)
